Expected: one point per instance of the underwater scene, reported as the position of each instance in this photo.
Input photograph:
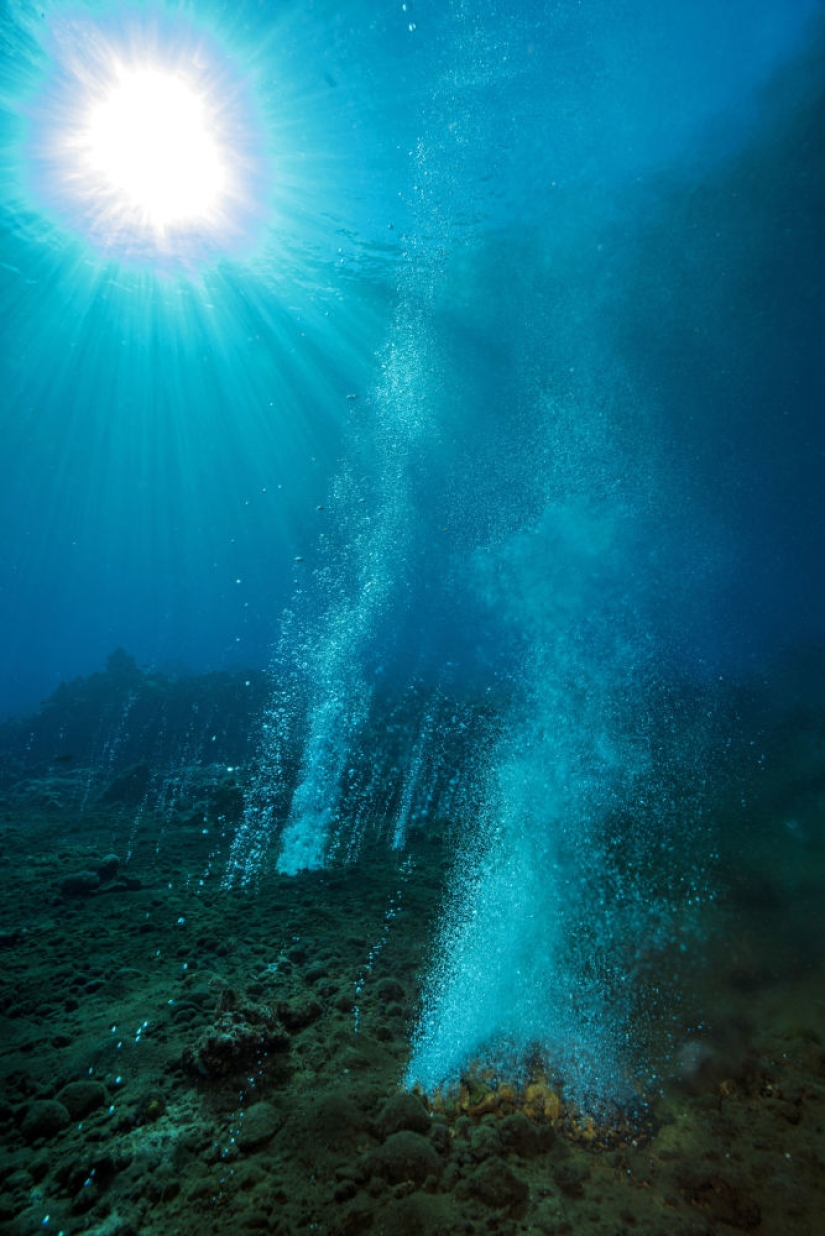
(412, 617)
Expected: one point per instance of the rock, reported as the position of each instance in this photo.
(87, 1196)
(333, 1120)
(126, 884)
(18, 1182)
(150, 1108)
(80, 884)
(496, 1186)
(236, 1040)
(389, 991)
(39, 1166)
(440, 1138)
(160, 1185)
(403, 1111)
(44, 1118)
(519, 1136)
(129, 786)
(352, 1061)
(722, 1201)
(257, 1221)
(570, 1177)
(419, 1214)
(107, 868)
(485, 1142)
(404, 1156)
(297, 1016)
(260, 1122)
(81, 1097)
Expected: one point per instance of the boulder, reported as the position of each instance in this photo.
(80, 884)
(43, 1119)
(403, 1111)
(260, 1123)
(496, 1186)
(404, 1156)
(82, 1097)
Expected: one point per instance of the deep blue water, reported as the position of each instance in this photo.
(633, 193)
(505, 374)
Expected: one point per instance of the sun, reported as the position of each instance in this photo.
(146, 139)
(150, 145)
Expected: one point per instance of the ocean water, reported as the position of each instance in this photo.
(450, 467)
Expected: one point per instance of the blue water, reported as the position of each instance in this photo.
(497, 381)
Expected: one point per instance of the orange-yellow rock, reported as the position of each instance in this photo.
(541, 1103)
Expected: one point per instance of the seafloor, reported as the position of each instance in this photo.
(177, 1058)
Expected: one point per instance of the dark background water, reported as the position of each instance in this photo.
(613, 207)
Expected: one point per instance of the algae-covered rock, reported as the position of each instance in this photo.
(107, 868)
(298, 1015)
(237, 1038)
(390, 991)
(403, 1111)
(150, 1108)
(332, 1119)
(723, 1200)
(520, 1136)
(403, 1156)
(129, 786)
(570, 1176)
(485, 1142)
(496, 1186)
(419, 1214)
(82, 1097)
(44, 1118)
(259, 1123)
(80, 884)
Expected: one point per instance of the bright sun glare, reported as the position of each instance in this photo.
(149, 142)
(145, 136)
